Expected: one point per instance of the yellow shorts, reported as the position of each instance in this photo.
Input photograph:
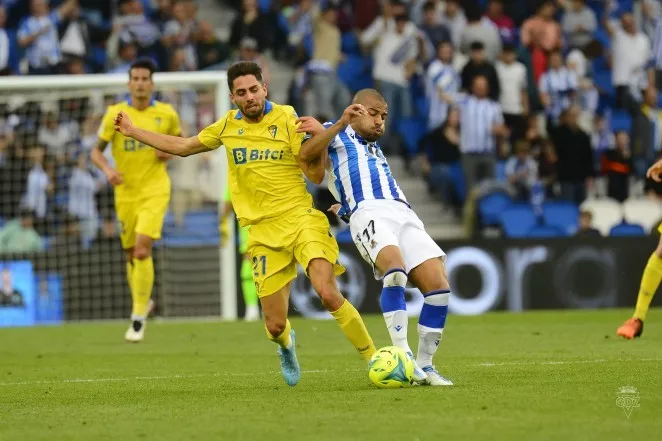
(141, 216)
(275, 246)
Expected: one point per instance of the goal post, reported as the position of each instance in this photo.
(24, 102)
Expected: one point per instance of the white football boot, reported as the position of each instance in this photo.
(434, 378)
(136, 331)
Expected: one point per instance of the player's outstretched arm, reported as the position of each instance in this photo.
(315, 146)
(165, 143)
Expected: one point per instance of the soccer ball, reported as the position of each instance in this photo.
(390, 367)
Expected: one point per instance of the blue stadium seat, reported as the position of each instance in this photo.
(412, 130)
(621, 120)
(563, 215)
(491, 206)
(517, 220)
(545, 231)
(624, 229)
(459, 183)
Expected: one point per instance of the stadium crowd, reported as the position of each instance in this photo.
(553, 99)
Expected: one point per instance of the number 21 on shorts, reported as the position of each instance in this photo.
(259, 265)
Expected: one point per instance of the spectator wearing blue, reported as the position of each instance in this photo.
(82, 203)
(395, 48)
(579, 24)
(4, 44)
(39, 185)
(38, 35)
(558, 89)
(440, 78)
(133, 26)
(575, 166)
(481, 129)
(431, 25)
(522, 170)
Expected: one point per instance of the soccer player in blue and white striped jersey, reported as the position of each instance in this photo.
(385, 229)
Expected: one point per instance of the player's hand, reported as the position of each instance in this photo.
(114, 177)
(308, 124)
(335, 208)
(351, 112)
(123, 124)
(655, 171)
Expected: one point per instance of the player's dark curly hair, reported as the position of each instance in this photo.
(241, 69)
(143, 63)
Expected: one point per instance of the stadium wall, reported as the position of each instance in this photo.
(487, 275)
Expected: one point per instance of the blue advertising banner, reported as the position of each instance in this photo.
(17, 294)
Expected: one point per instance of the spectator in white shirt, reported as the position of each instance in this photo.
(479, 29)
(631, 52)
(55, 136)
(440, 78)
(82, 204)
(396, 48)
(4, 44)
(514, 97)
(579, 23)
(39, 185)
(38, 35)
(179, 33)
(558, 87)
(522, 170)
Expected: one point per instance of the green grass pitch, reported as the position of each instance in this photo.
(534, 376)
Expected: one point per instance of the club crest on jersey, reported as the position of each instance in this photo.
(158, 120)
(273, 130)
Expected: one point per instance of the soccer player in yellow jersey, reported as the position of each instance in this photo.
(650, 280)
(142, 185)
(269, 194)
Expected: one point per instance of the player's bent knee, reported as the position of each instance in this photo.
(275, 325)
(142, 253)
(331, 298)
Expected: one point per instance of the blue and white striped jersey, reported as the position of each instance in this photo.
(560, 84)
(358, 171)
(444, 78)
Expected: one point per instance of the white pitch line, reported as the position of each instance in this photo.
(312, 371)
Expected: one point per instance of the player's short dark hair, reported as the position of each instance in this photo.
(241, 69)
(143, 63)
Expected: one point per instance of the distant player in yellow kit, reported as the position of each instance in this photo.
(248, 288)
(650, 280)
(269, 194)
(142, 185)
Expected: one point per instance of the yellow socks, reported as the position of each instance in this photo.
(649, 284)
(129, 276)
(283, 339)
(352, 326)
(142, 281)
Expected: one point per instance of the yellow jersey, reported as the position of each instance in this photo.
(265, 179)
(143, 173)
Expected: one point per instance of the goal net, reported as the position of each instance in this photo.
(60, 253)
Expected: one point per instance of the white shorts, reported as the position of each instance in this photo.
(379, 223)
